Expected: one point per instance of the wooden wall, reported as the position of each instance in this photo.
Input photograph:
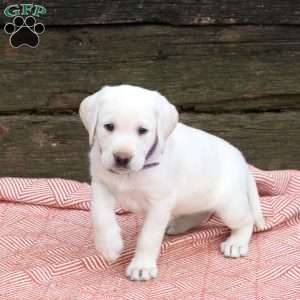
(231, 67)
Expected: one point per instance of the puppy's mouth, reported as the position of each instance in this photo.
(120, 170)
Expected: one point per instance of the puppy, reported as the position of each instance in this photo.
(173, 174)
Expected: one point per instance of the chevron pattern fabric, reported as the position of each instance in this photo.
(47, 250)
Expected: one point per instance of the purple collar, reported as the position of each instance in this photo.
(149, 154)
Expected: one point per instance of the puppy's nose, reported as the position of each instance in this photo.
(122, 158)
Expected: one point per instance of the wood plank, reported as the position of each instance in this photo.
(43, 146)
(57, 146)
(178, 12)
(213, 68)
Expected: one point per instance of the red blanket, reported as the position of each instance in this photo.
(47, 249)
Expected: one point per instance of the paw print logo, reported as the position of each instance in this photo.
(24, 32)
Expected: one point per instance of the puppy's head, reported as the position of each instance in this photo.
(126, 122)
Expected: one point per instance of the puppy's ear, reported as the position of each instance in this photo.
(167, 118)
(88, 112)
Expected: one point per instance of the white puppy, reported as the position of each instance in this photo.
(174, 174)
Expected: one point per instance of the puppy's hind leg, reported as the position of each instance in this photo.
(236, 214)
(185, 222)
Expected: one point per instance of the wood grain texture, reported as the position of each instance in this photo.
(209, 69)
(178, 12)
(57, 146)
(47, 146)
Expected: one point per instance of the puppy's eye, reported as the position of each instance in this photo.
(142, 130)
(109, 126)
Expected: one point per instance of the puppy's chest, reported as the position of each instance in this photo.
(133, 200)
(130, 194)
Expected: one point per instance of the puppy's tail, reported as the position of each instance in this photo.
(255, 203)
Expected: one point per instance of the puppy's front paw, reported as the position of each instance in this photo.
(141, 270)
(234, 248)
(109, 247)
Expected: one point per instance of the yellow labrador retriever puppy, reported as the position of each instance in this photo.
(173, 174)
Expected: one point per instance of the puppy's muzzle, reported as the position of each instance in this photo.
(122, 159)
